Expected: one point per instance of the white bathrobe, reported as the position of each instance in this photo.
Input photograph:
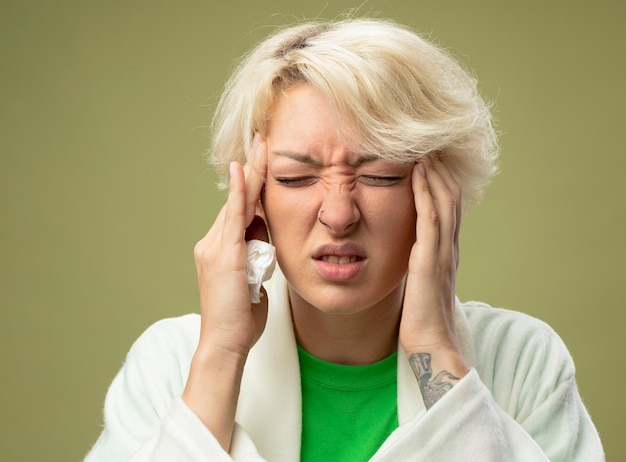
(519, 401)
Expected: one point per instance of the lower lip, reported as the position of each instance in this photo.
(336, 272)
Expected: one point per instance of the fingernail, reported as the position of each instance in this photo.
(232, 168)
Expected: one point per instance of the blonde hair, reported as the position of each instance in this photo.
(405, 97)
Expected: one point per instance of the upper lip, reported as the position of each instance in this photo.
(339, 250)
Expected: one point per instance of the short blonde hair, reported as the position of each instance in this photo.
(405, 97)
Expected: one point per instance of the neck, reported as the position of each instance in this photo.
(357, 338)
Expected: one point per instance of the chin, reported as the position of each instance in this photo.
(345, 300)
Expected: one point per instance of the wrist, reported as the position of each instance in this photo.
(437, 371)
(444, 355)
(216, 356)
(212, 388)
(223, 342)
(445, 343)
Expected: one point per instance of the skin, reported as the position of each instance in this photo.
(310, 169)
(399, 223)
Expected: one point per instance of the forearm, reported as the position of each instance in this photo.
(437, 371)
(212, 390)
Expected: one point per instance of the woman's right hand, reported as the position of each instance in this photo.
(229, 320)
(230, 324)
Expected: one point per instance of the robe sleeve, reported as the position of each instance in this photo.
(523, 405)
(144, 417)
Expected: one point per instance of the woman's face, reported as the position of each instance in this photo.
(357, 259)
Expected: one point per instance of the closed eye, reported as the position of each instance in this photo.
(295, 182)
(380, 181)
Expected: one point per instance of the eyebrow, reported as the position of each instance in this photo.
(310, 160)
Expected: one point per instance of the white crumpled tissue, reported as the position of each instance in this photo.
(260, 266)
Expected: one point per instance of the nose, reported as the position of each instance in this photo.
(339, 211)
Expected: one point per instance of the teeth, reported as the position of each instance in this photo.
(339, 260)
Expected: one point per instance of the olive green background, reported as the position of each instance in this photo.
(105, 190)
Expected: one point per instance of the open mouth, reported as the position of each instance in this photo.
(337, 260)
(339, 263)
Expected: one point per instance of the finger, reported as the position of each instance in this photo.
(445, 204)
(427, 224)
(255, 173)
(235, 208)
(456, 191)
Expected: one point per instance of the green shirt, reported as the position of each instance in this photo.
(347, 411)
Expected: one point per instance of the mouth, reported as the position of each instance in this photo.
(339, 260)
(344, 257)
(340, 263)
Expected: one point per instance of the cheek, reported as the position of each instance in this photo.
(407, 220)
(392, 213)
(399, 232)
(288, 213)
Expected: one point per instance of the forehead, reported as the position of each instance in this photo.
(303, 123)
(302, 108)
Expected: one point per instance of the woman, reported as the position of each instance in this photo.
(359, 139)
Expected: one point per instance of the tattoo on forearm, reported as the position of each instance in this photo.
(433, 388)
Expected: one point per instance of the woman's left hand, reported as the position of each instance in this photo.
(427, 328)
